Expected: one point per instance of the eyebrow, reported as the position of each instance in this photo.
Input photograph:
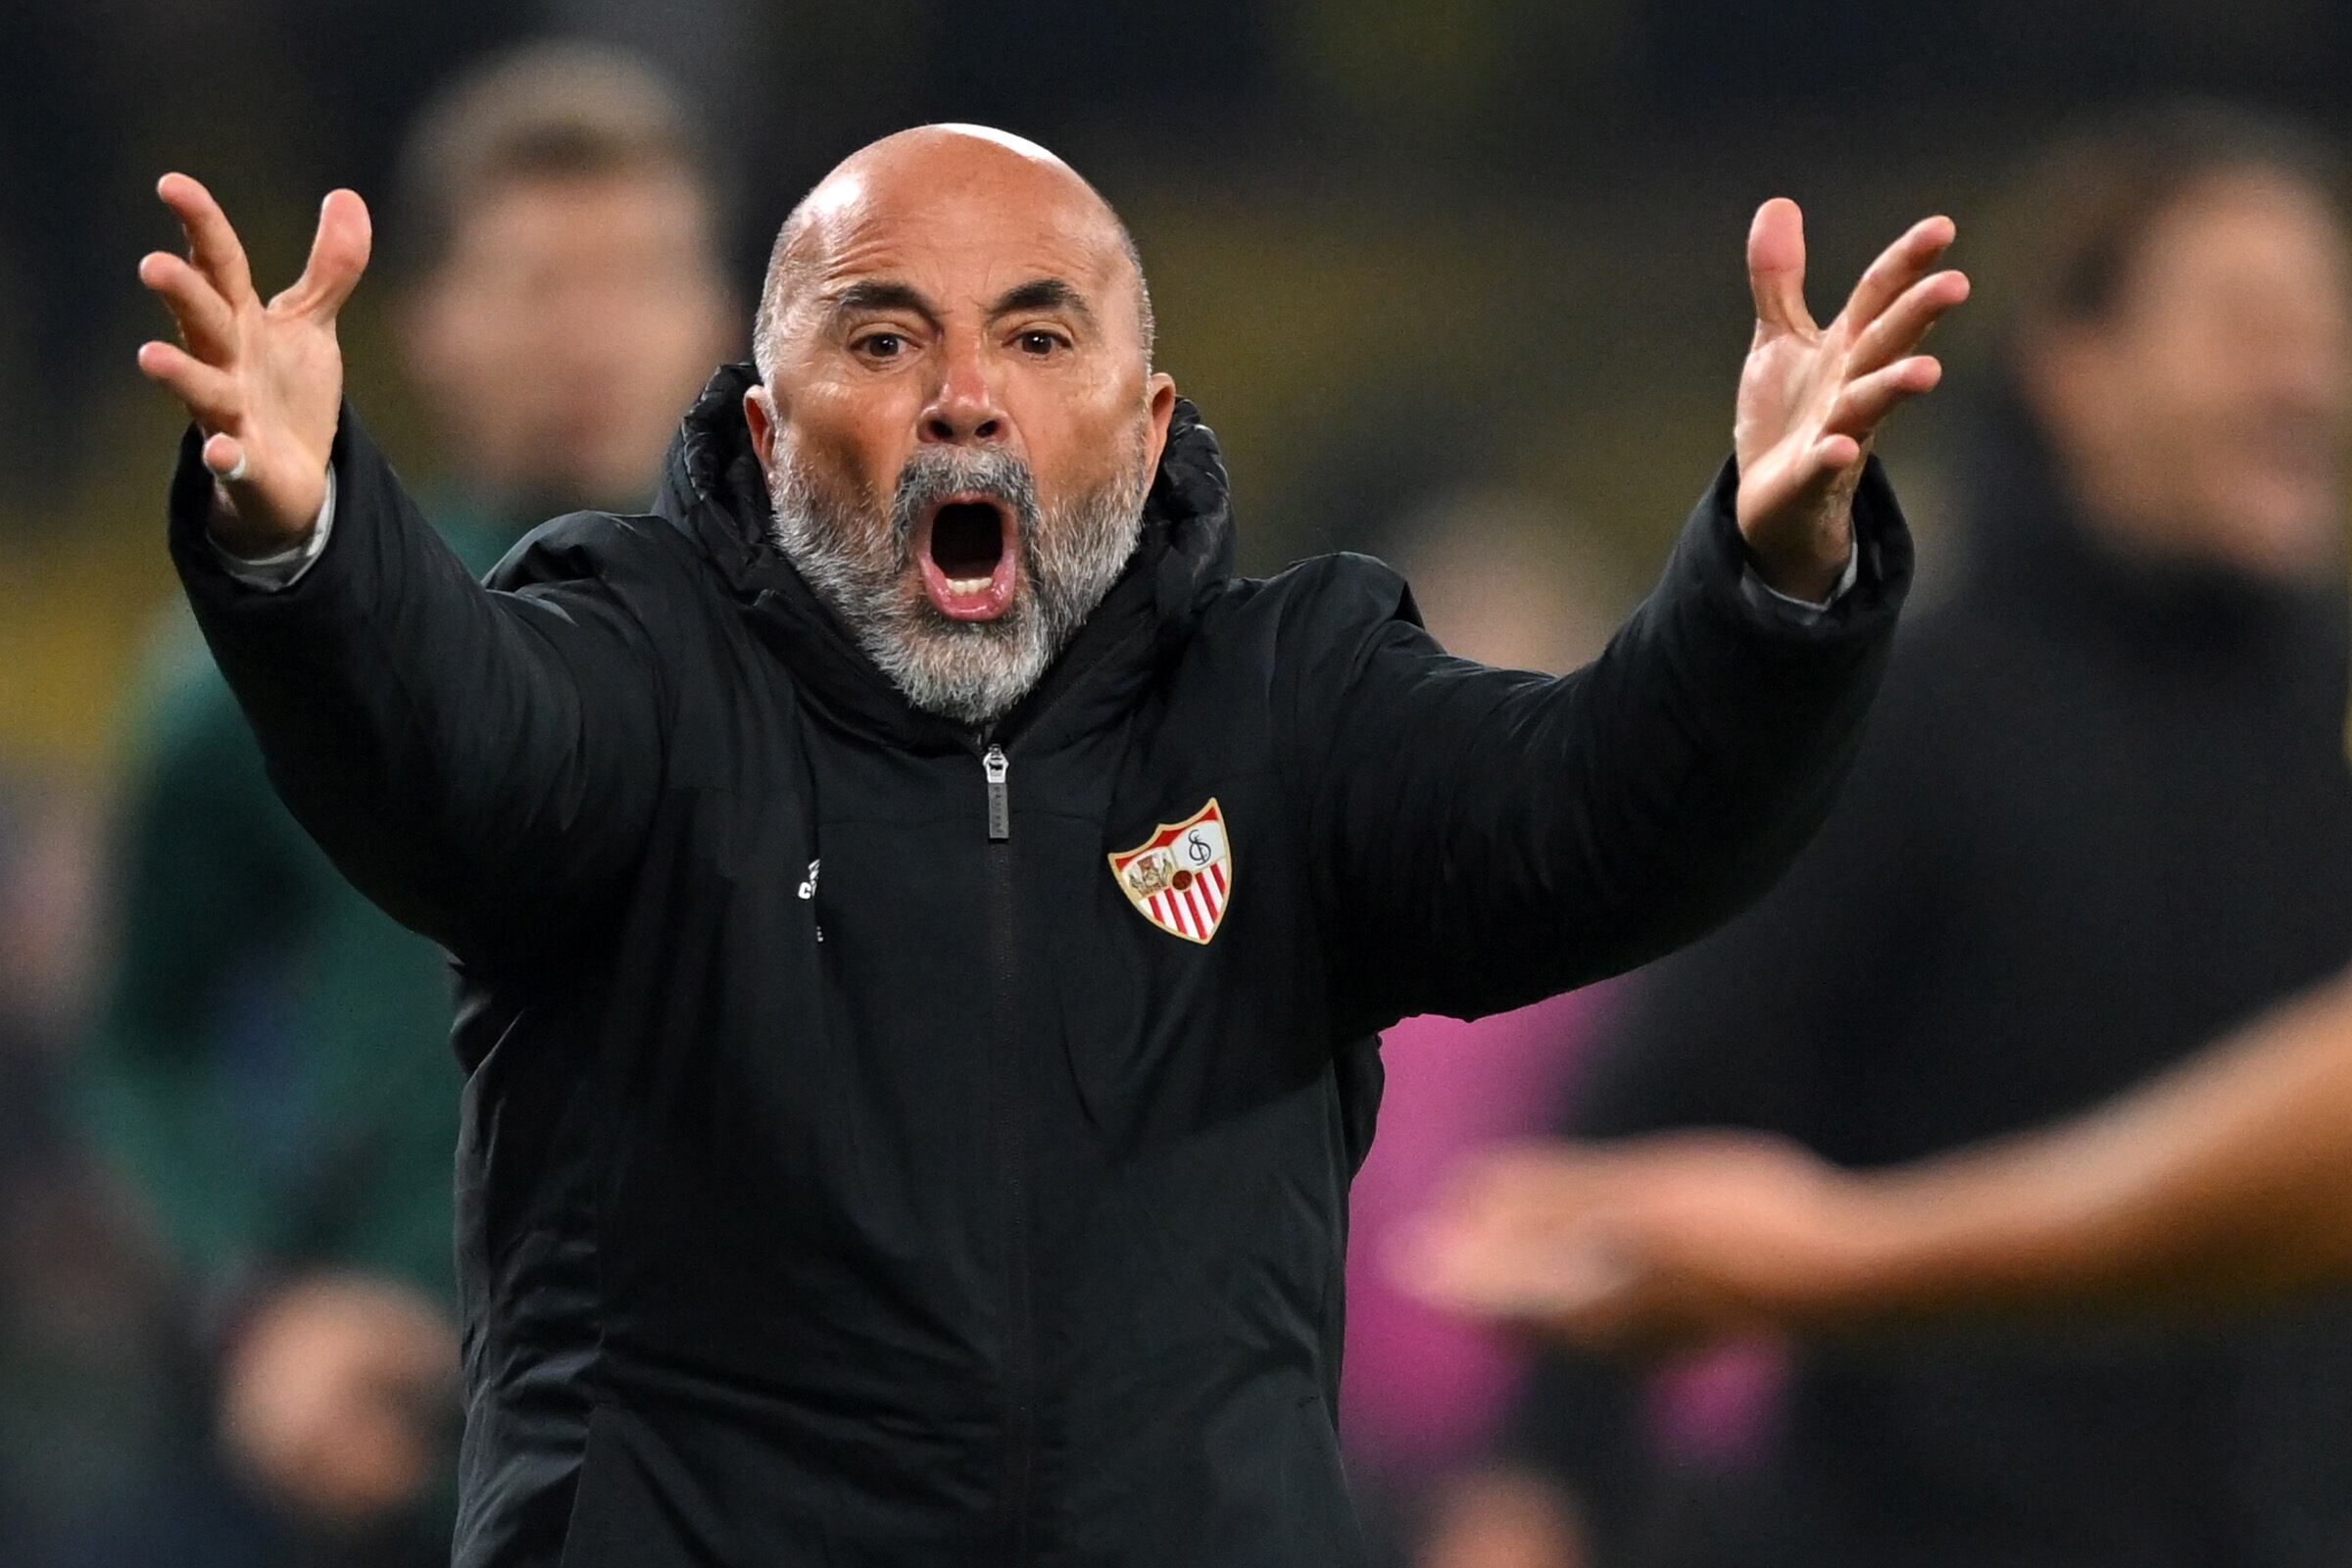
(1043, 294)
(882, 295)
(1038, 294)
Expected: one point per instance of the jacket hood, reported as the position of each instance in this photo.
(712, 490)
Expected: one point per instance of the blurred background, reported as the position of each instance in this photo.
(1456, 281)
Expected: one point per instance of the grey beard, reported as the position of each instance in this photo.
(860, 563)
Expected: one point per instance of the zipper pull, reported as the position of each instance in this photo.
(996, 765)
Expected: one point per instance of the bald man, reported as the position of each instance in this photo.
(923, 921)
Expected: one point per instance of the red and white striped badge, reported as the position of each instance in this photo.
(1181, 878)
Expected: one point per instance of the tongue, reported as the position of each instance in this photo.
(970, 592)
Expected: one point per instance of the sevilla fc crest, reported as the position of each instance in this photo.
(1181, 878)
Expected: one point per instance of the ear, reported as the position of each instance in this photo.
(1159, 402)
(759, 413)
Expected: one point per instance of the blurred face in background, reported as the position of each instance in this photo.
(571, 322)
(2206, 413)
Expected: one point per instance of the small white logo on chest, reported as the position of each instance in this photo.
(808, 891)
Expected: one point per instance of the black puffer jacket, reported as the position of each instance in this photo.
(864, 1164)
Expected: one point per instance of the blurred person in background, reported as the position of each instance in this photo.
(1500, 580)
(273, 1068)
(2102, 814)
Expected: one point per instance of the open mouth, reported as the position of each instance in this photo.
(965, 544)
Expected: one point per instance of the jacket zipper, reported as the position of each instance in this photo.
(1020, 1328)
(998, 767)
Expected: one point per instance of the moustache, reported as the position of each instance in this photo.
(934, 473)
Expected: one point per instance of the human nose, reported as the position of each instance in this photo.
(963, 408)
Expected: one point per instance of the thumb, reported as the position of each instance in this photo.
(339, 256)
(1776, 267)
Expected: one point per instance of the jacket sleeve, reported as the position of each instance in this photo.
(480, 761)
(1485, 837)
(1795, 1008)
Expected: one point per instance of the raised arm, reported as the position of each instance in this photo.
(473, 760)
(2224, 1181)
(1487, 838)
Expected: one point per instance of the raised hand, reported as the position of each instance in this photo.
(1811, 397)
(264, 382)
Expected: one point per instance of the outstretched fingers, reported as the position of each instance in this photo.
(225, 456)
(1832, 455)
(213, 245)
(209, 394)
(1776, 267)
(1902, 326)
(1523, 1236)
(1898, 267)
(1863, 403)
(339, 254)
(206, 323)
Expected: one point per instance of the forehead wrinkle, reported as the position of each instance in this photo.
(863, 211)
(892, 251)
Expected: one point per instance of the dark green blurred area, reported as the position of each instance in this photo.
(1399, 248)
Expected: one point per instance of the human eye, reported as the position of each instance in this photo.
(879, 345)
(1040, 342)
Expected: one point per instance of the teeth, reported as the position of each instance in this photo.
(967, 585)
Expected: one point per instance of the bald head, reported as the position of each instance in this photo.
(941, 177)
(956, 413)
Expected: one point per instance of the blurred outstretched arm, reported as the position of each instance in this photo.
(2227, 1181)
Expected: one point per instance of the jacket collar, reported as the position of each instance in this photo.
(712, 489)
